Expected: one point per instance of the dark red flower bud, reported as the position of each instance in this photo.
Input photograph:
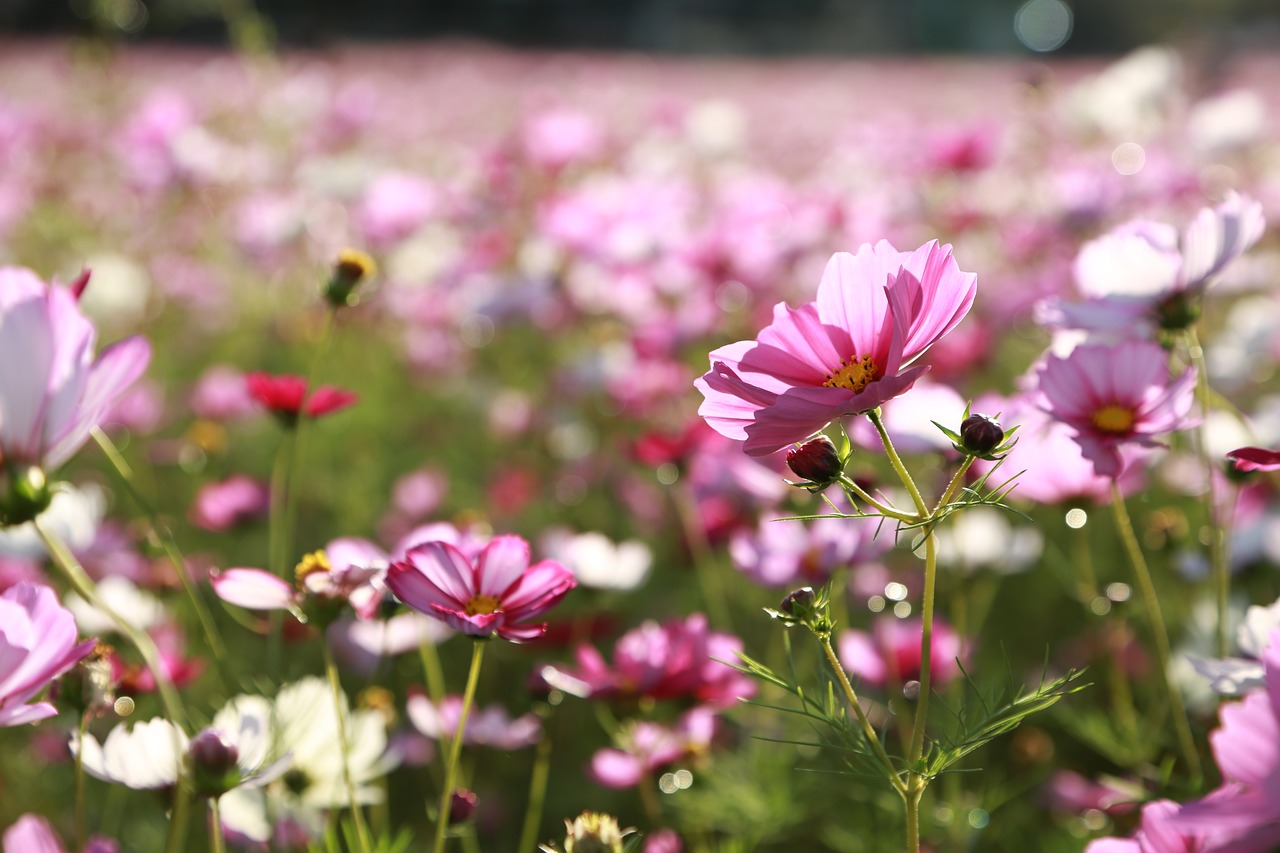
(798, 602)
(816, 461)
(980, 434)
(462, 805)
(213, 763)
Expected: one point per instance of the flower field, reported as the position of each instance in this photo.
(446, 448)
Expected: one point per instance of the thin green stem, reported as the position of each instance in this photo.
(1219, 559)
(340, 708)
(537, 792)
(926, 647)
(164, 537)
(176, 840)
(911, 799)
(84, 585)
(215, 831)
(868, 731)
(455, 748)
(709, 581)
(956, 480)
(880, 507)
(1160, 635)
(278, 543)
(81, 832)
(901, 470)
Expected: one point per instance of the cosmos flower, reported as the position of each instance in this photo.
(1116, 397)
(497, 593)
(847, 353)
(678, 660)
(644, 747)
(1255, 459)
(37, 644)
(286, 396)
(489, 726)
(1141, 276)
(53, 391)
(890, 654)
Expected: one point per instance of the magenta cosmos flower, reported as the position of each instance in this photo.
(846, 353)
(37, 644)
(498, 593)
(1114, 397)
(53, 391)
(1246, 459)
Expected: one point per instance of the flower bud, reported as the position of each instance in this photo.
(24, 494)
(351, 268)
(798, 602)
(462, 805)
(980, 434)
(212, 761)
(817, 461)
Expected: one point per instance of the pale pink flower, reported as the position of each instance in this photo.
(847, 353)
(497, 593)
(37, 644)
(1116, 397)
(489, 726)
(1141, 277)
(221, 506)
(645, 747)
(53, 391)
(890, 654)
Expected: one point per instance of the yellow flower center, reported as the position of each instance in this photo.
(1114, 419)
(311, 563)
(481, 605)
(854, 374)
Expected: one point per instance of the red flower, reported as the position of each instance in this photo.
(285, 396)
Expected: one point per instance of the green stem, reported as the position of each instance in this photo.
(340, 707)
(713, 591)
(81, 832)
(901, 470)
(880, 507)
(537, 792)
(84, 585)
(868, 731)
(956, 480)
(1160, 635)
(926, 648)
(177, 837)
(455, 748)
(1219, 559)
(912, 800)
(215, 830)
(164, 537)
(278, 543)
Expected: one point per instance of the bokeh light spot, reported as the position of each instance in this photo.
(1043, 25)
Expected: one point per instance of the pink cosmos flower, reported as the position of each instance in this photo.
(789, 552)
(1255, 459)
(672, 661)
(53, 391)
(221, 506)
(1116, 397)
(646, 747)
(33, 834)
(489, 726)
(498, 593)
(37, 644)
(890, 654)
(347, 570)
(848, 352)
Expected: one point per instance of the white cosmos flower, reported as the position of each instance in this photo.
(597, 562)
(143, 756)
(305, 723)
